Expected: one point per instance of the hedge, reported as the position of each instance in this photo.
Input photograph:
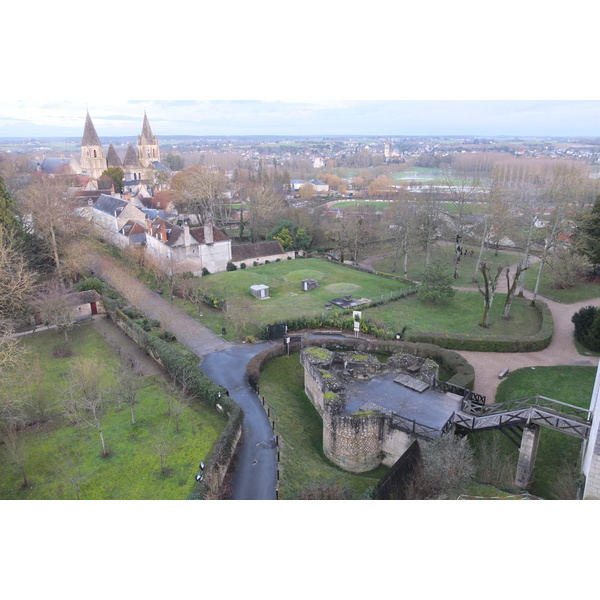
(463, 372)
(497, 343)
(183, 366)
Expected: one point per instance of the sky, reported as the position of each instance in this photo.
(35, 118)
(314, 69)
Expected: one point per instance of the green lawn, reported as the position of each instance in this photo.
(445, 255)
(285, 287)
(573, 385)
(376, 205)
(583, 290)
(300, 428)
(461, 314)
(57, 452)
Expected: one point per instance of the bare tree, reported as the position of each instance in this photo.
(448, 464)
(265, 208)
(14, 446)
(511, 287)
(199, 191)
(54, 308)
(490, 283)
(50, 210)
(240, 313)
(85, 397)
(128, 386)
(17, 279)
(163, 445)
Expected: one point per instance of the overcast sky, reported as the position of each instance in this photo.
(327, 117)
(321, 69)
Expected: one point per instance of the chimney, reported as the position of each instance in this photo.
(208, 233)
(163, 232)
(148, 225)
(187, 238)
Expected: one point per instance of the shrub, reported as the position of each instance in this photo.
(168, 336)
(587, 327)
(267, 262)
(92, 283)
(243, 266)
(205, 271)
(231, 266)
(255, 263)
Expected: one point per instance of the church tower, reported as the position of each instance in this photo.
(93, 162)
(148, 148)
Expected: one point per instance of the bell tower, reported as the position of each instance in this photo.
(148, 148)
(92, 161)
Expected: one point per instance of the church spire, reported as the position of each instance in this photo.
(90, 137)
(147, 135)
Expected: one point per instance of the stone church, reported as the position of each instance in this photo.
(138, 164)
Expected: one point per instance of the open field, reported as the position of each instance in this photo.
(301, 432)
(59, 453)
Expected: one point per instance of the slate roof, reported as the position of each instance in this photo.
(112, 158)
(254, 251)
(110, 204)
(147, 131)
(90, 137)
(131, 158)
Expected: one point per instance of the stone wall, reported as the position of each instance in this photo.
(353, 442)
(361, 441)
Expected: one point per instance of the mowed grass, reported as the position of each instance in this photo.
(58, 453)
(461, 314)
(582, 290)
(445, 255)
(570, 384)
(300, 428)
(285, 287)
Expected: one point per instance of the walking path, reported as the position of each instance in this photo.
(561, 350)
(225, 364)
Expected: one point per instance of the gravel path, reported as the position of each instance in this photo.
(561, 350)
(189, 332)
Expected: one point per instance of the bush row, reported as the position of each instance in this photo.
(463, 374)
(183, 366)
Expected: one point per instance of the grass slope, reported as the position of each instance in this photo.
(58, 452)
(300, 428)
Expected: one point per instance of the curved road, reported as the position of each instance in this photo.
(225, 364)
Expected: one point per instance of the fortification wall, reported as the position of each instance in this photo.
(353, 442)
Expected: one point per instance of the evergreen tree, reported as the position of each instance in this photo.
(586, 237)
(8, 219)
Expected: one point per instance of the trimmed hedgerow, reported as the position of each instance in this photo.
(497, 343)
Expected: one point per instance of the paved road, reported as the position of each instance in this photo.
(225, 364)
(255, 476)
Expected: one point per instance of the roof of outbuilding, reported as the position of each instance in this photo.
(254, 251)
(109, 204)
